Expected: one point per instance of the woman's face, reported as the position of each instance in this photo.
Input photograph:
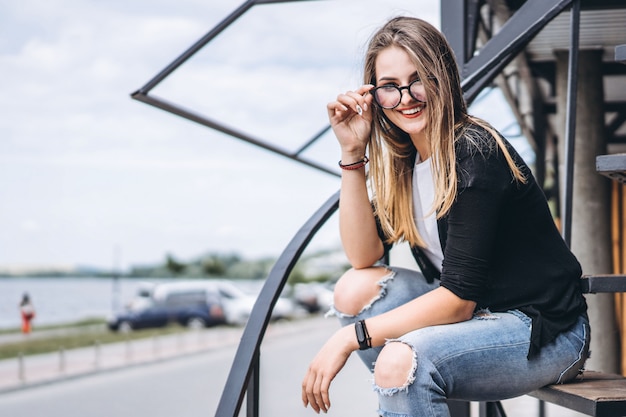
(394, 67)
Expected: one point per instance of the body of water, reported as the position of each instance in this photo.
(63, 300)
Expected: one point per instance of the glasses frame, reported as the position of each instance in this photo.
(399, 89)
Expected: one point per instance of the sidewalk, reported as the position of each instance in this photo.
(34, 370)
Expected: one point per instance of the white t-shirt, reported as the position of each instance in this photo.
(423, 197)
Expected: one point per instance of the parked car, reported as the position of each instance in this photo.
(192, 308)
(314, 297)
(225, 303)
(238, 304)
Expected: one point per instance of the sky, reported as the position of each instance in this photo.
(91, 177)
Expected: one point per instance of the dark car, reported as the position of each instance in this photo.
(194, 309)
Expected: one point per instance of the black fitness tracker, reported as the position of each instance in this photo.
(362, 336)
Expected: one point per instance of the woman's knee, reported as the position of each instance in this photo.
(395, 366)
(357, 288)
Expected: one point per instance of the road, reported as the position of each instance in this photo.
(190, 385)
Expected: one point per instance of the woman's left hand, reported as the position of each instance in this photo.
(325, 366)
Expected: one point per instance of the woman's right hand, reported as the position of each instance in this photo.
(351, 119)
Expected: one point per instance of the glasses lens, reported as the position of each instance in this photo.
(416, 90)
(387, 96)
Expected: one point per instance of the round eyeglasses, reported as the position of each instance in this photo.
(389, 96)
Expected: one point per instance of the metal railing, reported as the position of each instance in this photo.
(244, 375)
(495, 55)
(477, 71)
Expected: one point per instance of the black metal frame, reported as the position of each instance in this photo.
(593, 284)
(460, 23)
(244, 372)
(480, 70)
(460, 27)
(143, 94)
(570, 122)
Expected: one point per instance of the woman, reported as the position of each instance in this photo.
(496, 310)
(27, 311)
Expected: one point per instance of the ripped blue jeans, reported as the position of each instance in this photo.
(482, 359)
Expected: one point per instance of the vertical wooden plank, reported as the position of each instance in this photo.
(620, 298)
(617, 249)
(616, 227)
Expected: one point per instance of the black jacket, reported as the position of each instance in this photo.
(501, 246)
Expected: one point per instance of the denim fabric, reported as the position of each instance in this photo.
(482, 359)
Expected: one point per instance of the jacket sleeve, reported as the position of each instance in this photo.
(484, 178)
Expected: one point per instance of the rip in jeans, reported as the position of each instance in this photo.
(482, 314)
(410, 377)
(485, 314)
(381, 293)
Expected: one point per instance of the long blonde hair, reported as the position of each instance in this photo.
(392, 153)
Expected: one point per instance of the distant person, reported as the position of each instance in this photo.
(28, 313)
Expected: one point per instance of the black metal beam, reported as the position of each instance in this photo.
(219, 28)
(616, 122)
(601, 4)
(253, 390)
(570, 122)
(314, 139)
(453, 26)
(491, 409)
(593, 284)
(472, 23)
(585, 5)
(471, 93)
(609, 107)
(216, 30)
(259, 2)
(516, 33)
(205, 121)
(547, 70)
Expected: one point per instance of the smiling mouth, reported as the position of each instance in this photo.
(415, 110)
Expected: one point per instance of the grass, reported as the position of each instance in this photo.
(74, 335)
(76, 324)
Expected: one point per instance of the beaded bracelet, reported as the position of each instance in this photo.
(355, 165)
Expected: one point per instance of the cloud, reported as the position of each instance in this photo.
(84, 169)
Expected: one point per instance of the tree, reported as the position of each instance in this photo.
(172, 265)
